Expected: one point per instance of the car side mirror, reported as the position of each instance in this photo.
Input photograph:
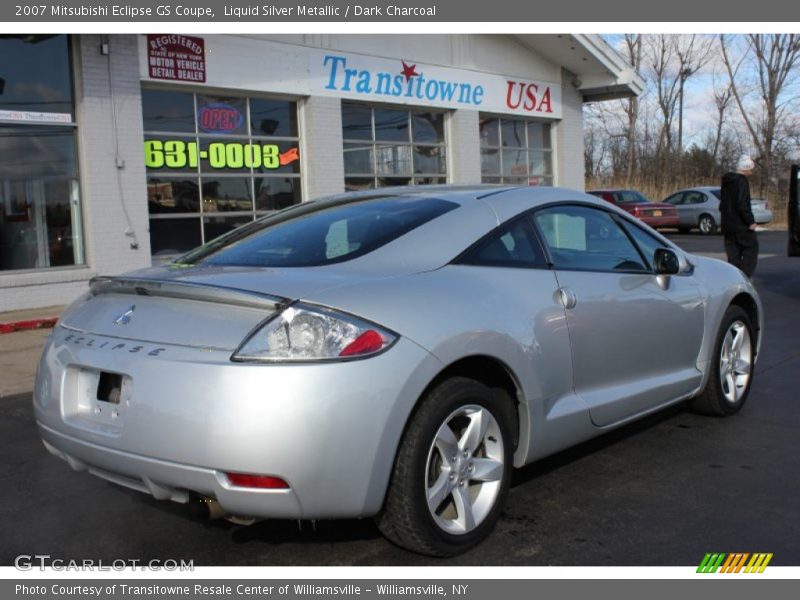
(665, 262)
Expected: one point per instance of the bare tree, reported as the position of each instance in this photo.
(722, 96)
(633, 45)
(672, 59)
(775, 58)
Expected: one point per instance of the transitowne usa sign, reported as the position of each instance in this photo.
(407, 82)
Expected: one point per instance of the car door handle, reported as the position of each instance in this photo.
(567, 298)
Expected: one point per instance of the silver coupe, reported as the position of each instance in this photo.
(391, 354)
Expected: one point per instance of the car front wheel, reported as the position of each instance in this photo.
(707, 225)
(452, 471)
(731, 368)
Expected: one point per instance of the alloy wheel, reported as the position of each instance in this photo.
(464, 469)
(735, 361)
(706, 224)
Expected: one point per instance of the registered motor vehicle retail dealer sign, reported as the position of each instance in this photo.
(176, 58)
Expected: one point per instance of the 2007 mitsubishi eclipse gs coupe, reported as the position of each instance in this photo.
(392, 354)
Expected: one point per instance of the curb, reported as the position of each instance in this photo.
(42, 323)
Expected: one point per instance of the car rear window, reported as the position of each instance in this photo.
(717, 192)
(323, 235)
(630, 197)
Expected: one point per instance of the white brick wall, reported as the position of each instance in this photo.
(321, 143)
(105, 189)
(114, 199)
(569, 137)
(464, 155)
(108, 249)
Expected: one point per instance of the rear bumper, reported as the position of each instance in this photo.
(165, 480)
(762, 217)
(329, 430)
(663, 221)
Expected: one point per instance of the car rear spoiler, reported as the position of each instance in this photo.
(186, 290)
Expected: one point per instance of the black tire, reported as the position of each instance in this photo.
(405, 518)
(712, 400)
(684, 230)
(709, 229)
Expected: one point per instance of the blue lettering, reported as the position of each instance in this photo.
(397, 88)
(363, 85)
(448, 89)
(432, 89)
(464, 91)
(384, 83)
(477, 95)
(420, 80)
(335, 62)
(348, 74)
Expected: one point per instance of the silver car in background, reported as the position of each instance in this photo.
(699, 208)
(391, 354)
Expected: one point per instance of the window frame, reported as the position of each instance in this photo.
(77, 182)
(620, 221)
(197, 175)
(373, 143)
(500, 176)
(507, 225)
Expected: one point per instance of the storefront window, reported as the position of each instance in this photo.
(515, 151)
(387, 146)
(40, 209)
(215, 162)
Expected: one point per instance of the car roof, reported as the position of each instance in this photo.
(481, 209)
(699, 188)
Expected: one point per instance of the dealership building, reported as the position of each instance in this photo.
(123, 150)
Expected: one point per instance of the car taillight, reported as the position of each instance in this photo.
(368, 342)
(264, 482)
(309, 333)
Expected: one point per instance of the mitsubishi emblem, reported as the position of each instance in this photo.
(125, 317)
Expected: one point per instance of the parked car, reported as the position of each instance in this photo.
(761, 212)
(390, 354)
(699, 208)
(653, 213)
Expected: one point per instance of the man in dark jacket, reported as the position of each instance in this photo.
(738, 225)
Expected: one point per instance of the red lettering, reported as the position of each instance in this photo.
(511, 85)
(545, 102)
(530, 91)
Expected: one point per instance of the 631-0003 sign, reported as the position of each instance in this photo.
(178, 154)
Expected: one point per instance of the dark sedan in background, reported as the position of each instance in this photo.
(656, 215)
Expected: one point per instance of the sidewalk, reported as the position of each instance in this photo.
(22, 335)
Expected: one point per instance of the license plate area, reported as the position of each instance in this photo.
(96, 400)
(109, 387)
(656, 213)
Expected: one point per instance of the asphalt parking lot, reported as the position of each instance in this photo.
(663, 491)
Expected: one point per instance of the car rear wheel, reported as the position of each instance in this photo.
(732, 366)
(452, 471)
(706, 224)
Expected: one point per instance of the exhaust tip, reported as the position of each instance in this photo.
(203, 507)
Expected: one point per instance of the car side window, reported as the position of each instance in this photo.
(676, 199)
(647, 243)
(511, 245)
(695, 198)
(584, 238)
